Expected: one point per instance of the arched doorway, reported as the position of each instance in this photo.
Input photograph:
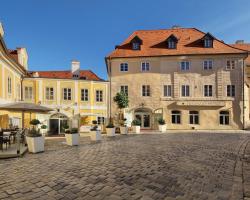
(145, 116)
(57, 122)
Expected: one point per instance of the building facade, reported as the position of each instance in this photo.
(76, 96)
(190, 78)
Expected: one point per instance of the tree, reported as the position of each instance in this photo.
(121, 100)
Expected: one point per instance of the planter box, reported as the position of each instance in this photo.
(124, 130)
(72, 139)
(136, 129)
(35, 144)
(110, 132)
(95, 135)
(163, 128)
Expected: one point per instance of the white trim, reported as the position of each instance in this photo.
(40, 94)
(58, 93)
(3, 82)
(76, 92)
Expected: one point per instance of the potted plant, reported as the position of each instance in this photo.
(136, 125)
(162, 125)
(66, 128)
(110, 129)
(35, 140)
(72, 137)
(95, 133)
(43, 130)
(124, 128)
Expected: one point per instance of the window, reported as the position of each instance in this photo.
(100, 120)
(124, 67)
(49, 93)
(185, 91)
(207, 64)
(208, 43)
(167, 92)
(231, 64)
(171, 44)
(136, 46)
(224, 117)
(28, 93)
(124, 89)
(176, 117)
(9, 85)
(84, 94)
(18, 91)
(146, 90)
(75, 75)
(231, 90)
(67, 94)
(193, 117)
(185, 65)
(208, 90)
(99, 95)
(145, 66)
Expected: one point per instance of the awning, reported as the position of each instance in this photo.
(26, 107)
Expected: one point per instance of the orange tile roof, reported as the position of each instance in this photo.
(153, 44)
(246, 47)
(84, 75)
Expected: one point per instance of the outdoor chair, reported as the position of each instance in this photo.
(4, 140)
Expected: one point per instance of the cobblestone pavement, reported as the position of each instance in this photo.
(151, 166)
(246, 172)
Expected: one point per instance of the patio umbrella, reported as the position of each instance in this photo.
(25, 107)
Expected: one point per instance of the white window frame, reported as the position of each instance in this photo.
(224, 116)
(230, 91)
(49, 93)
(124, 88)
(146, 67)
(136, 46)
(187, 91)
(172, 44)
(9, 85)
(175, 115)
(167, 90)
(185, 65)
(84, 94)
(28, 92)
(231, 64)
(192, 117)
(100, 120)
(146, 91)
(18, 91)
(99, 95)
(206, 90)
(208, 64)
(208, 43)
(67, 94)
(123, 67)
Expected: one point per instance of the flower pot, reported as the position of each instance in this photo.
(72, 139)
(44, 132)
(163, 128)
(124, 130)
(110, 132)
(136, 129)
(35, 144)
(95, 135)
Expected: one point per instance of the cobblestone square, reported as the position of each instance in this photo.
(168, 166)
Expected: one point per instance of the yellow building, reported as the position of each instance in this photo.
(76, 96)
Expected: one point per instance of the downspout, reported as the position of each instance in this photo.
(108, 63)
(243, 86)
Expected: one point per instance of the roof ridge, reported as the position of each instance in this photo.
(165, 29)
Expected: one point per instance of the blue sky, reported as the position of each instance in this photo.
(57, 31)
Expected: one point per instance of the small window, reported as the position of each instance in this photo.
(99, 95)
(231, 64)
(84, 94)
(167, 91)
(231, 90)
(145, 66)
(185, 65)
(171, 44)
(136, 46)
(207, 64)
(67, 95)
(124, 67)
(146, 90)
(75, 75)
(9, 86)
(224, 117)
(49, 93)
(208, 43)
(185, 91)
(124, 89)
(208, 90)
(176, 117)
(193, 117)
(28, 93)
(100, 120)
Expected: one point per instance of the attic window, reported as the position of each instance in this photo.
(136, 43)
(75, 75)
(208, 43)
(136, 46)
(171, 44)
(84, 78)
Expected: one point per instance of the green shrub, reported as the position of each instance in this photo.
(94, 122)
(136, 122)
(43, 126)
(110, 125)
(161, 121)
(34, 122)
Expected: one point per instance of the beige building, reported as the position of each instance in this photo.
(76, 96)
(190, 78)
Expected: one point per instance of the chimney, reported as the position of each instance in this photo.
(22, 55)
(1, 30)
(239, 42)
(75, 68)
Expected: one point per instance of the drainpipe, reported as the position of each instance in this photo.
(243, 80)
(108, 63)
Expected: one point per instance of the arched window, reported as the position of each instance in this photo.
(176, 117)
(9, 85)
(193, 117)
(224, 117)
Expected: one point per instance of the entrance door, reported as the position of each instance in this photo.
(144, 119)
(54, 126)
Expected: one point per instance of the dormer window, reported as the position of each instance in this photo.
(136, 43)
(208, 40)
(172, 42)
